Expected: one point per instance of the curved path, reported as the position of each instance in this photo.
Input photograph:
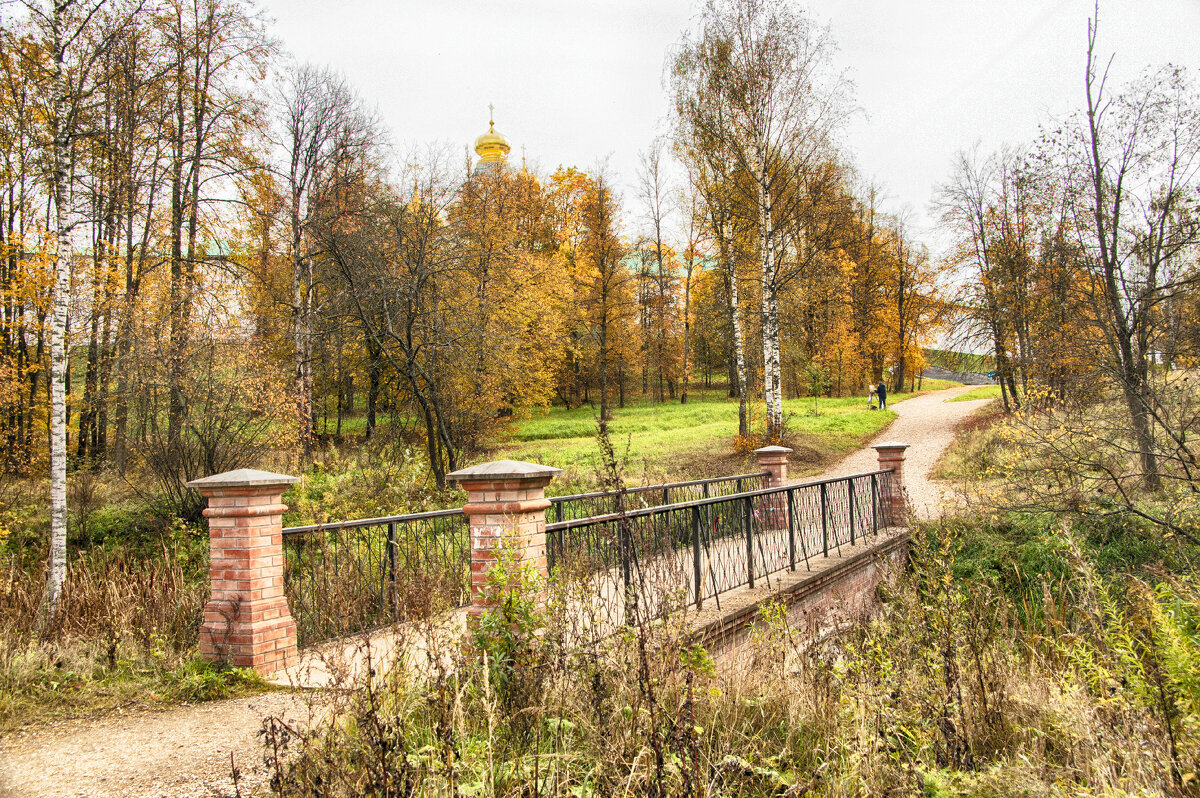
(927, 424)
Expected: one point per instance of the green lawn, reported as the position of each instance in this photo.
(983, 392)
(671, 441)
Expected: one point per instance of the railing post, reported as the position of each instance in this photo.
(506, 513)
(791, 512)
(874, 503)
(391, 554)
(696, 551)
(625, 550)
(247, 621)
(824, 522)
(895, 497)
(850, 491)
(749, 519)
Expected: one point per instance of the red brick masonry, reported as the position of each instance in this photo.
(247, 622)
(506, 512)
(893, 497)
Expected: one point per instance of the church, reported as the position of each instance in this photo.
(492, 148)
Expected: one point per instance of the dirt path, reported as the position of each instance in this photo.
(181, 752)
(926, 423)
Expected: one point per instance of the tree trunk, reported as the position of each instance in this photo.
(687, 334)
(57, 571)
(770, 301)
(739, 354)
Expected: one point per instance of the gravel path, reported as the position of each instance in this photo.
(926, 423)
(181, 752)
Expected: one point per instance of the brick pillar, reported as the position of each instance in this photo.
(506, 511)
(892, 494)
(773, 461)
(247, 622)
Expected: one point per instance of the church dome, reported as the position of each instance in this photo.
(491, 146)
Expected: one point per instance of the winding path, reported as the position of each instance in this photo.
(185, 751)
(927, 424)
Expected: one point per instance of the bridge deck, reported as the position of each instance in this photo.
(720, 623)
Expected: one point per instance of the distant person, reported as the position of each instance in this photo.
(881, 391)
(870, 397)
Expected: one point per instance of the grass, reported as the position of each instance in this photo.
(983, 392)
(46, 683)
(1070, 684)
(674, 441)
(960, 361)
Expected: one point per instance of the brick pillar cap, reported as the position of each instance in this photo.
(773, 450)
(503, 469)
(242, 478)
(889, 445)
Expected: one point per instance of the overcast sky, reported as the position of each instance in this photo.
(576, 81)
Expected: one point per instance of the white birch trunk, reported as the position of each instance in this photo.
(770, 302)
(58, 331)
(739, 352)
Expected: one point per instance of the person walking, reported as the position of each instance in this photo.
(881, 392)
(870, 397)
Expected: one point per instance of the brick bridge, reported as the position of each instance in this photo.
(715, 550)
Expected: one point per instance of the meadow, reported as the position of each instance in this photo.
(673, 441)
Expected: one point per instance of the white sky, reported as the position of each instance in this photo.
(576, 81)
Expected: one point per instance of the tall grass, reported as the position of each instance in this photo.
(126, 627)
(949, 691)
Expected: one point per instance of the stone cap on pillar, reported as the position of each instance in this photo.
(504, 471)
(890, 445)
(773, 450)
(242, 478)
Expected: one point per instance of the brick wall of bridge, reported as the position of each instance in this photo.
(817, 602)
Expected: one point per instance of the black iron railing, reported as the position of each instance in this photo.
(588, 505)
(645, 560)
(347, 577)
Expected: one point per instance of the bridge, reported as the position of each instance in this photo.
(707, 552)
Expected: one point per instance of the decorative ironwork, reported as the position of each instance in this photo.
(641, 560)
(351, 576)
(588, 505)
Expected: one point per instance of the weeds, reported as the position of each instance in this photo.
(950, 690)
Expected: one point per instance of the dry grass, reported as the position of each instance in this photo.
(945, 693)
(124, 636)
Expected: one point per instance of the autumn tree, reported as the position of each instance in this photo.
(758, 82)
(326, 133)
(603, 280)
(1137, 154)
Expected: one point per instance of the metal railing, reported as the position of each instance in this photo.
(588, 505)
(643, 561)
(345, 577)
(350, 576)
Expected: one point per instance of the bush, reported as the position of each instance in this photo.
(366, 484)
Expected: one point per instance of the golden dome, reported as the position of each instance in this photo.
(491, 146)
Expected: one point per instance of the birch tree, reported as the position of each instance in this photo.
(73, 48)
(758, 79)
(327, 134)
